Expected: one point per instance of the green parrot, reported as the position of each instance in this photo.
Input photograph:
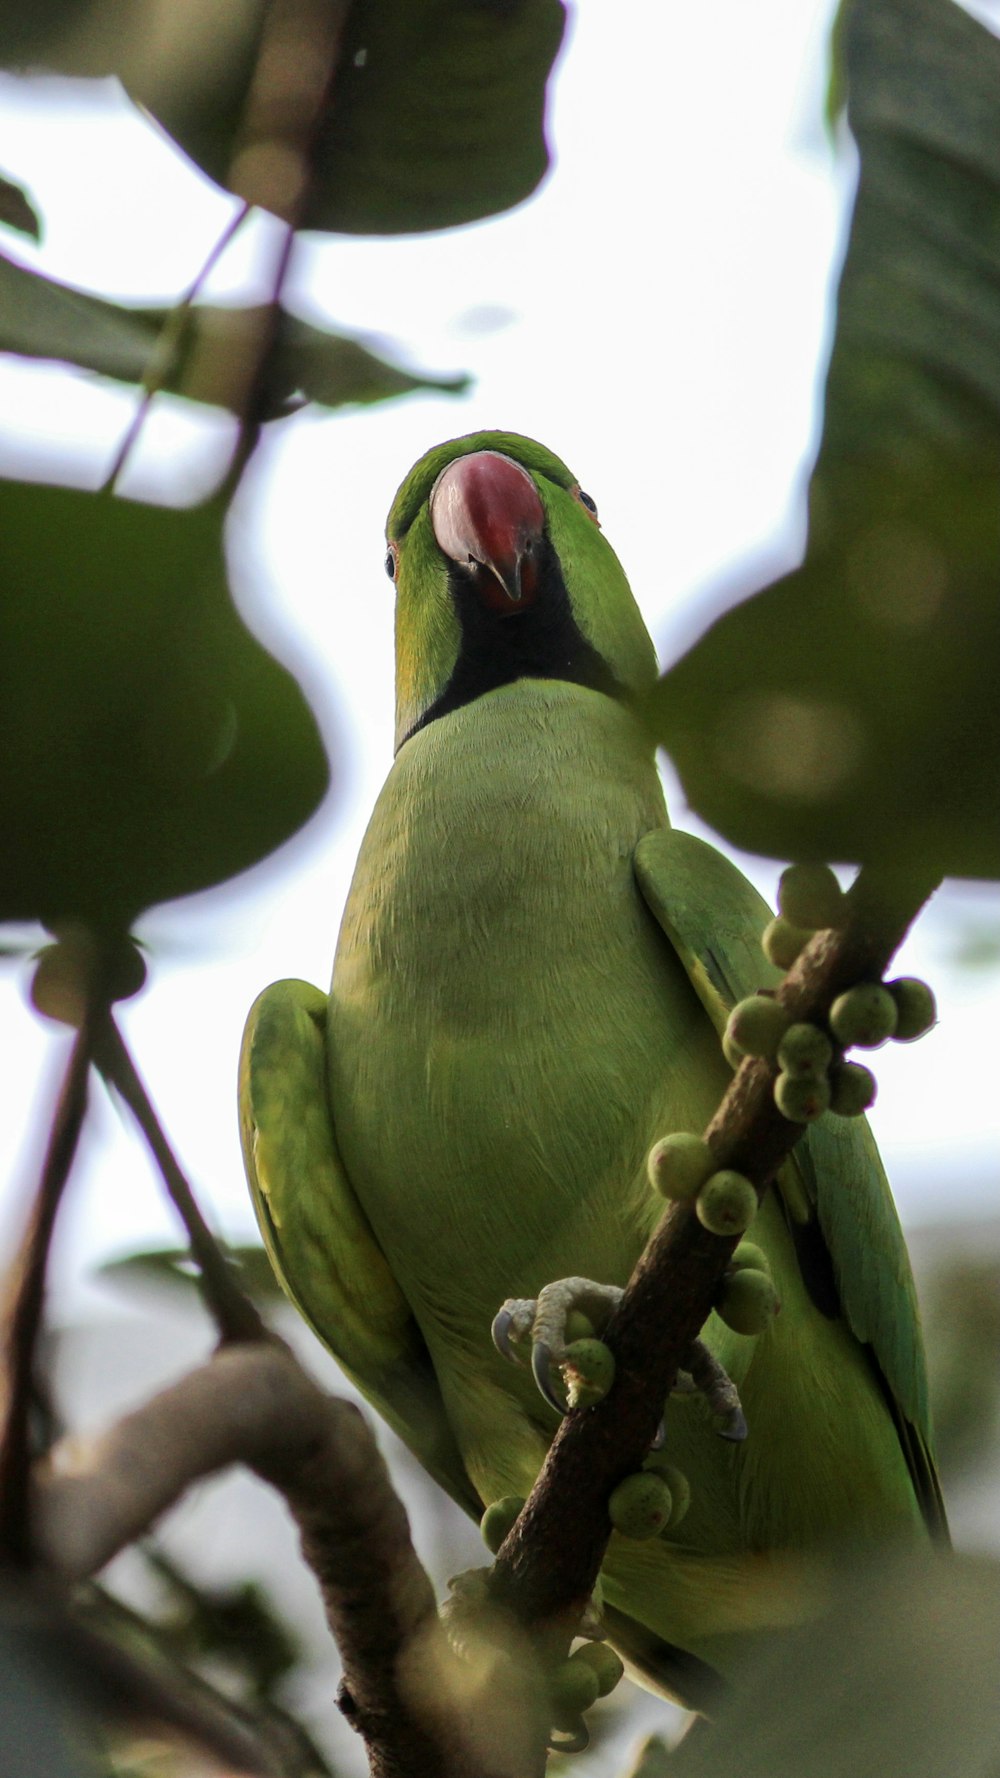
(530, 982)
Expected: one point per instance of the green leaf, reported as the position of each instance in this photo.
(174, 1266)
(899, 1679)
(17, 211)
(849, 711)
(41, 318)
(434, 117)
(149, 745)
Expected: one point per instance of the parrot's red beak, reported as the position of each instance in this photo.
(487, 516)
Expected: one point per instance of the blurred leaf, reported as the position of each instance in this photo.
(41, 318)
(850, 710)
(174, 1266)
(899, 1680)
(16, 211)
(435, 116)
(149, 744)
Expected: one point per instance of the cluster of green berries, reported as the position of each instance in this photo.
(812, 1074)
(682, 1166)
(651, 1502)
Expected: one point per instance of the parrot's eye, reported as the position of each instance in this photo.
(589, 502)
(390, 561)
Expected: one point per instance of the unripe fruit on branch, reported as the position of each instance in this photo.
(588, 1372)
(865, 1015)
(853, 1088)
(640, 1506)
(916, 1007)
(810, 896)
(756, 1025)
(782, 942)
(748, 1301)
(678, 1164)
(805, 1051)
(726, 1204)
(800, 1099)
(499, 1519)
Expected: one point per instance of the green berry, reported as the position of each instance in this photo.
(916, 1007)
(608, 1666)
(810, 896)
(573, 1688)
(678, 1164)
(805, 1050)
(677, 1482)
(748, 1301)
(756, 1025)
(782, 942)
(66, 970)
(853, 1088)
(865, 1015)
(727, 1203)
(749, 1255)
(588, 1372)
(498, 1520)
(641, 1505)
(578, 1326)
(800, 1099)
(732, 1052)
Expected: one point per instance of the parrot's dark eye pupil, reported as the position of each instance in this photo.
(390, 564)
(589, 502)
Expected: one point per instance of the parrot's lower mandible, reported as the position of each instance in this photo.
(513, 1022)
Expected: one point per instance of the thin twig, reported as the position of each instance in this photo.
(169, 338)
(27, 1300)
(549, 1563)
(234, 1313)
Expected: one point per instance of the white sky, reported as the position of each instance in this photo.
(658, 314)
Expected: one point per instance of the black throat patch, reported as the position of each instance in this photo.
(541, 642)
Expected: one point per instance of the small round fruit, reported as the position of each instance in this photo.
(865, 1015)
(498, 1520)
(727, 1203)
(749, 1255)
(800, 1099)
(916, 1007)
(588, 1372)
(677, 1482)
(810, 896)
(641, 1505)
(757, 1024)
(678, 1164)
(573, 1688)
(578, 1326)
(782, 942)
(748, 1301)
(608, 1666)
(853, 1089)
(806, 1051)
(732, 1052)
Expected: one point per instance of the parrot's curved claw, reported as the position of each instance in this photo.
(502, 1324)
(706, 1375)
(541, 1370)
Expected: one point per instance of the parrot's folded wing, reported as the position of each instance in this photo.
(836, 1196)
(320, 1242)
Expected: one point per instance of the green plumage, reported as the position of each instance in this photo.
(529, 984)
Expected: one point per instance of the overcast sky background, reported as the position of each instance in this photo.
(659, 314)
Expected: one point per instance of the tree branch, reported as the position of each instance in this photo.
(421, 1709)
(548, 1565)
(26, 1302)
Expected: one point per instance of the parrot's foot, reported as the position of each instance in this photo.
(546, 1324)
